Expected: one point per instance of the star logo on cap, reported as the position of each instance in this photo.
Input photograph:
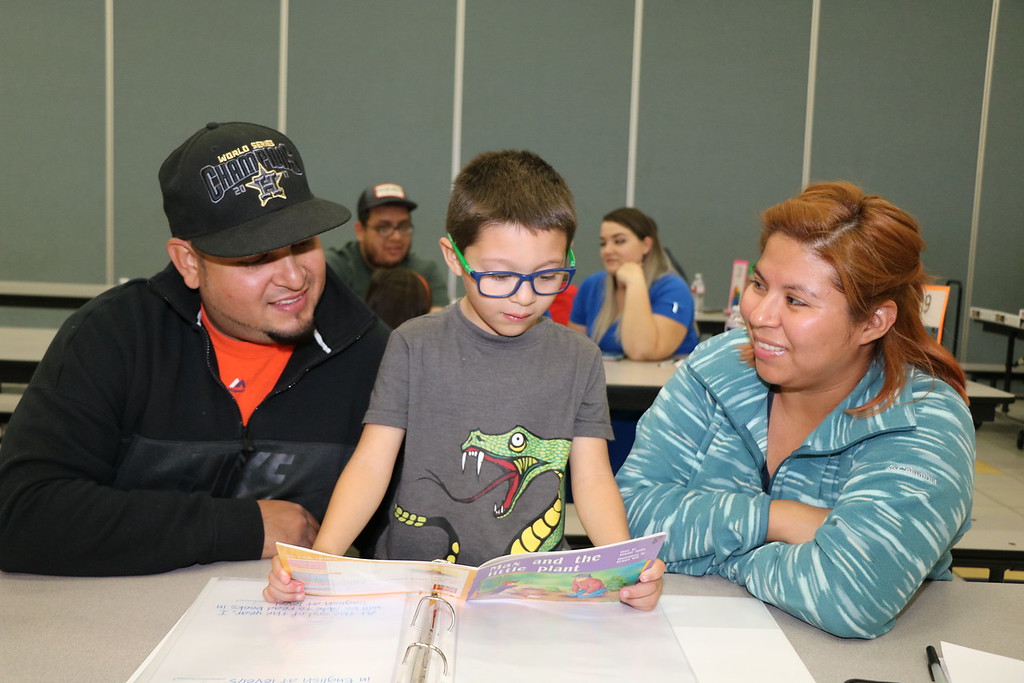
(267, 183)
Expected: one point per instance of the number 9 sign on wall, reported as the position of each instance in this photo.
(933, 309)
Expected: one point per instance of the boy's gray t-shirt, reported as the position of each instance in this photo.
(489, 422)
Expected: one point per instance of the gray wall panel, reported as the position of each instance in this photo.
(554, 78)
(178, 65)
(370, 100)
(52, 109)
(721, 126)
(370, 97)
(898, 111)
(999, 283)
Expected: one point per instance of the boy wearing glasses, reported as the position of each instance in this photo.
(384, 240)
(491, 400)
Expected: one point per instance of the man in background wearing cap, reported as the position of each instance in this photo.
(383, 240)
(205, 413)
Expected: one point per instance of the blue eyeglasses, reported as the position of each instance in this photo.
(500, 284)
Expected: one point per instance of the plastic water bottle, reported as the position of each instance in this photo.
(735, 319)
(697, 290)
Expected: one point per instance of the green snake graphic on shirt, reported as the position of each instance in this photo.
(521, 457)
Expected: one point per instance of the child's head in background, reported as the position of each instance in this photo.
(398, 294)
(510, 214)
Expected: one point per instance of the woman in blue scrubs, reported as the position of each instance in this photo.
(638, 307)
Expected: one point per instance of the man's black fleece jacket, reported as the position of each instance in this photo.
(127, 454)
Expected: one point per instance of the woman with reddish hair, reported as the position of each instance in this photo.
(822, 456)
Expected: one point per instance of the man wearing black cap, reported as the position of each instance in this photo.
(205, 413)
(383, 240)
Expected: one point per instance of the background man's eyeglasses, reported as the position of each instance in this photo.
(500, 284)
(387, 230)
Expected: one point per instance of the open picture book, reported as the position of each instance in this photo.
(595, 574)
(381, 621)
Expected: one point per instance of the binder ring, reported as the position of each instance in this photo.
(432, 648)
(433, 598)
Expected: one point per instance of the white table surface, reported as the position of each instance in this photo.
(59, 290)
(630, 373)
(25, 344)
(101, 629)
(1005, 318)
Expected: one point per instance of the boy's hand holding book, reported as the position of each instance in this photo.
(644, 595)
(281, 587)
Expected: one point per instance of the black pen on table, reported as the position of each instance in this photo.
(935, 666)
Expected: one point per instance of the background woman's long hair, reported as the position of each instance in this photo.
(655, 265)
(875, 249)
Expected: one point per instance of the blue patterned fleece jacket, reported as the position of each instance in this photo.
(898, 484)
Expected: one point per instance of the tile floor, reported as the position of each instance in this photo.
(998, 515)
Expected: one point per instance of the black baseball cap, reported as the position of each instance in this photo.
(237, 189)
(382, 194)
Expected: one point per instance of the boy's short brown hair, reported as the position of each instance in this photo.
(509, 186)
